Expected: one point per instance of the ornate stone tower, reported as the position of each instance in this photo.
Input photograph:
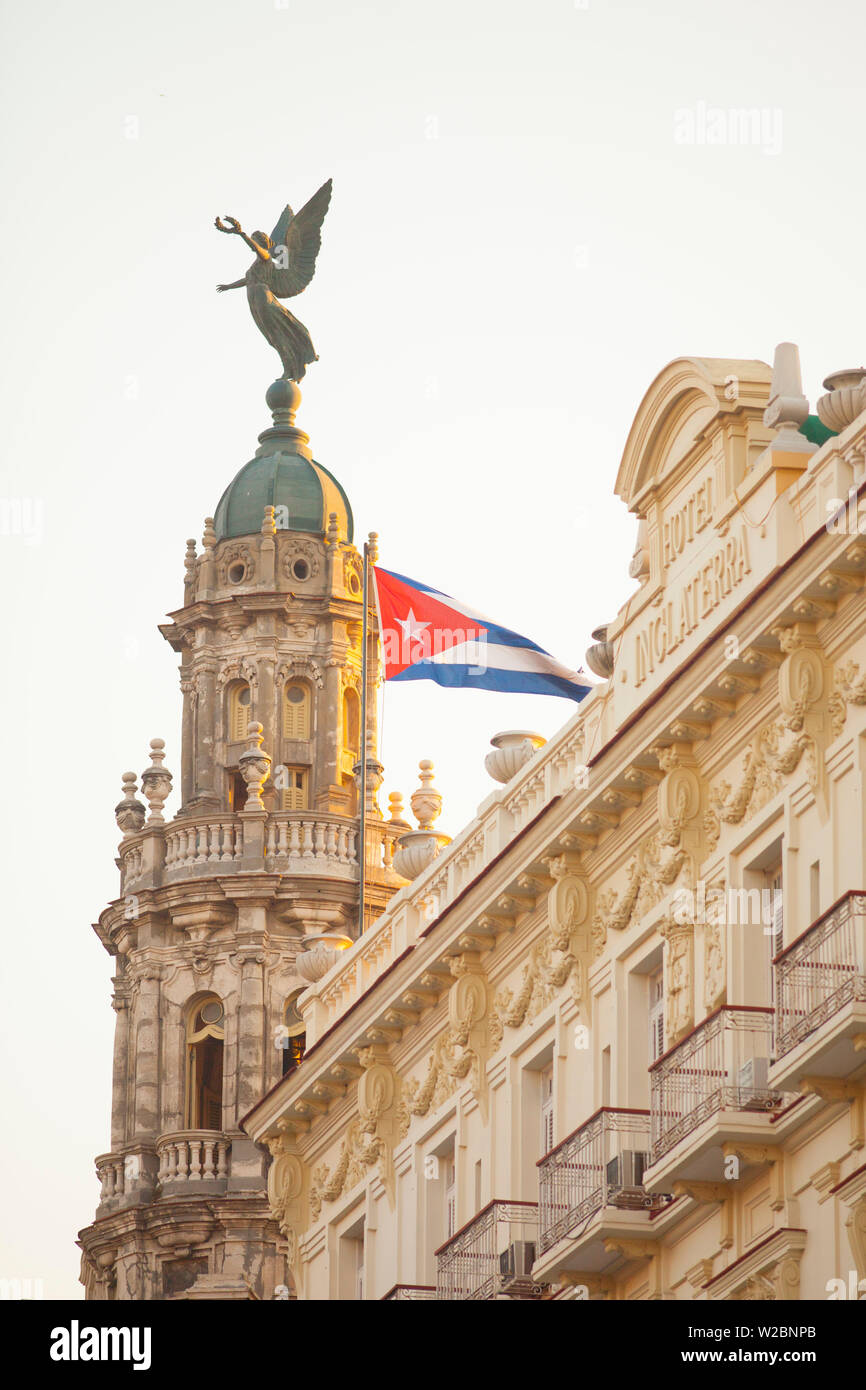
(229, 909)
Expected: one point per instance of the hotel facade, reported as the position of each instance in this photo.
(609, 1042)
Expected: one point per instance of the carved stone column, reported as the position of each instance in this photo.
(147, 1055)
(120, 1072)
(206, 798)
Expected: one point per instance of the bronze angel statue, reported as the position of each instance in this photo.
(284, 265)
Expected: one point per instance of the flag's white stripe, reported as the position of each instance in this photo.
(493, 657)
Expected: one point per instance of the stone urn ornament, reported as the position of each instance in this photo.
(322, 951)
(845, 399)
(254, 766)
(129, 813)
(599, 657)
(512, 750)
(156, 782)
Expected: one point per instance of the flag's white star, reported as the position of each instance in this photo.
(412, 628)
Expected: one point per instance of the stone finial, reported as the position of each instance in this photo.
(426, 801)
(189, 565)
(395, 806)
(209, 539)
(254, 765)
(373, 547)
(845, 399)
(333, 529)
(129, 813)
(269, 522)
(156, 782)
(787, 407)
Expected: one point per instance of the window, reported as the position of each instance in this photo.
(656, 1015)
(294, 1039)
(240, 699)
(546, 1110)
(237, 792)
(773, 918)
(296, 711)
(351, 1263)
(204, 1038)
(293, 796)
(351, 722)
(450, 1195)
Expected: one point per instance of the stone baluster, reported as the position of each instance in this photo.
(208, 1159)
(222, 1158)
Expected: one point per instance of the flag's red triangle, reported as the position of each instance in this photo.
(416, 625)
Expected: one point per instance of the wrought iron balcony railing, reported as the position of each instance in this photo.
(601, 1164)
(821, 972)
(493, 1254)
(409, 1293)
(721, 1064)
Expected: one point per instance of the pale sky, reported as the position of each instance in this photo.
(529, 220)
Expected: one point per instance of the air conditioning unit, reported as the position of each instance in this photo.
(516, 1262)
(627, 1169)
(754, 1076)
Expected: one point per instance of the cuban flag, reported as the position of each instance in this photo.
(427, 635)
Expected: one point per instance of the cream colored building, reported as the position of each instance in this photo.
(610, 1042)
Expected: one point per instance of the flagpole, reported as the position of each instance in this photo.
(362, 847)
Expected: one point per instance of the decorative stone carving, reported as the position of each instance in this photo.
(416, 850)
(299, 668)
(156, 782)
(426, 801)
(650, 874)
(129, 812)
(715, 964)
(774, 753)
(239, 669)
(231, 555)
(512, 750)
(463, 1048)
(678, 980)
(254, 766)
(639, 565)
(307, 551)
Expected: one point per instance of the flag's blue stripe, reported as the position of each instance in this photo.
(517, 682)
(501, 635)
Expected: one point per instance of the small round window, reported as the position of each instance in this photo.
(295, 695)
(244, 696)
(354, 584)
(237, 572)
(301, 569)
(211, 1012)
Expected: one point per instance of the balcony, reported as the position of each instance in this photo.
(590, 1191)
(821, 997)
(713, 1088)
(193, 1161)
(492, 1256)
(409, 1293)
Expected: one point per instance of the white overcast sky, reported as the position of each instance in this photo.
(517, 243)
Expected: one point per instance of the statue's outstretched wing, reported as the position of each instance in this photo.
(302, 237)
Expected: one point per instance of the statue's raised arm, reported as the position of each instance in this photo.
(284, 265)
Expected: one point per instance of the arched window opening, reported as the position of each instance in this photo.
(205, 1036)
(240, 702)
(296, 711)
(294, 1039)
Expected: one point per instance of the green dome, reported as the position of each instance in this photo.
(307, 491)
